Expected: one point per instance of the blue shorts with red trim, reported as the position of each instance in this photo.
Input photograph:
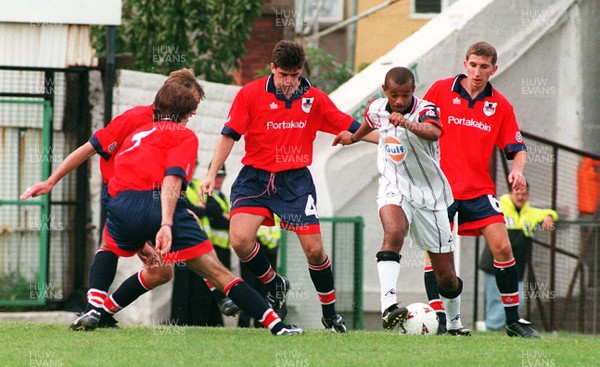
(134, 217)
(474, 214)
(289, 194)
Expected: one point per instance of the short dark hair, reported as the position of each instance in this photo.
(187, 78)
(288, 55)
(482, 49)
(173, 102)
(399, 75)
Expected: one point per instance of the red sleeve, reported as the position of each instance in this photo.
(239, 114)
(109, 139)
(181, 157)
(431, 94)
(333, 120)
(509, 138)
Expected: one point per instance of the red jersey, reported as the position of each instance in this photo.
(472, 127)
(148, 155)
(109, 139)
(279, 132)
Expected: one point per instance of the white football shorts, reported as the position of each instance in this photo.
(429, 229)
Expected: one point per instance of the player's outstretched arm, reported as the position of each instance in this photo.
(222, 151)
(372, 137)
(516, 177)
(74, 160)
(169, 194)
(346, 137)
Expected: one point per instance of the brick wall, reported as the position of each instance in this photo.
(265, 34)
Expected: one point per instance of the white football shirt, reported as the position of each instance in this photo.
(409, 165)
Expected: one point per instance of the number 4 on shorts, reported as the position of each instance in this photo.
(311, 208)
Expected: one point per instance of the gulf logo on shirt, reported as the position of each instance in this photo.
(394, 148)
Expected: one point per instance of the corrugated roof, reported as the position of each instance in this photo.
(45, 45)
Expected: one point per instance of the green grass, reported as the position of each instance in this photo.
(33, 344)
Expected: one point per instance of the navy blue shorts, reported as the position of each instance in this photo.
(134, 217)
(104, 196)
(289, 194)
(474, 214)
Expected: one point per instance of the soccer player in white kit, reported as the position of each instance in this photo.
(413, 195)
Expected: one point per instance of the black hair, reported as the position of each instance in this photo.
(399, 75)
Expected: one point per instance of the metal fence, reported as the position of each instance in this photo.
(44, 115)
(24, 238)
(343, 242)
(561, 288)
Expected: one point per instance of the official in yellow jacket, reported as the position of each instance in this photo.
(521, 220)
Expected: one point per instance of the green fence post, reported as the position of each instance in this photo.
(43, 202)
(358, 273)
(283, 253)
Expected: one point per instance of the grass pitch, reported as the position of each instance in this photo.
(34, 344)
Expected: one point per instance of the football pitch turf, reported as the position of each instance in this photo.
(35, 344)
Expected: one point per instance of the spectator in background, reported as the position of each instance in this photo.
(521, 220)
(588, 199)
(269, 239)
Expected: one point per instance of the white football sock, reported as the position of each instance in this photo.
(388, 278)
(452, 312)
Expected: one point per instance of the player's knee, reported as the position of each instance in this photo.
(165, 274)
(158, 276)
(220, 276)
(392, 244)
(448, 283)
(393, 238)
(315, 254)
(161, 274)
(241, 239)
(502, 251)
(446, 278)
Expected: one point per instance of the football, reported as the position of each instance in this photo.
(421, 320)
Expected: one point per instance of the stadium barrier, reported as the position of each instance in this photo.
(44, 115)
(562, 285)
(343, 242)
(24, 236)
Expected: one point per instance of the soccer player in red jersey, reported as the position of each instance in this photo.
(151, 171)
(279, 117)
(106, 141)
(476, 117)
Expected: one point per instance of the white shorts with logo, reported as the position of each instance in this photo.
(429, 230)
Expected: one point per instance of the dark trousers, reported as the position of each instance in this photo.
(192, 302)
